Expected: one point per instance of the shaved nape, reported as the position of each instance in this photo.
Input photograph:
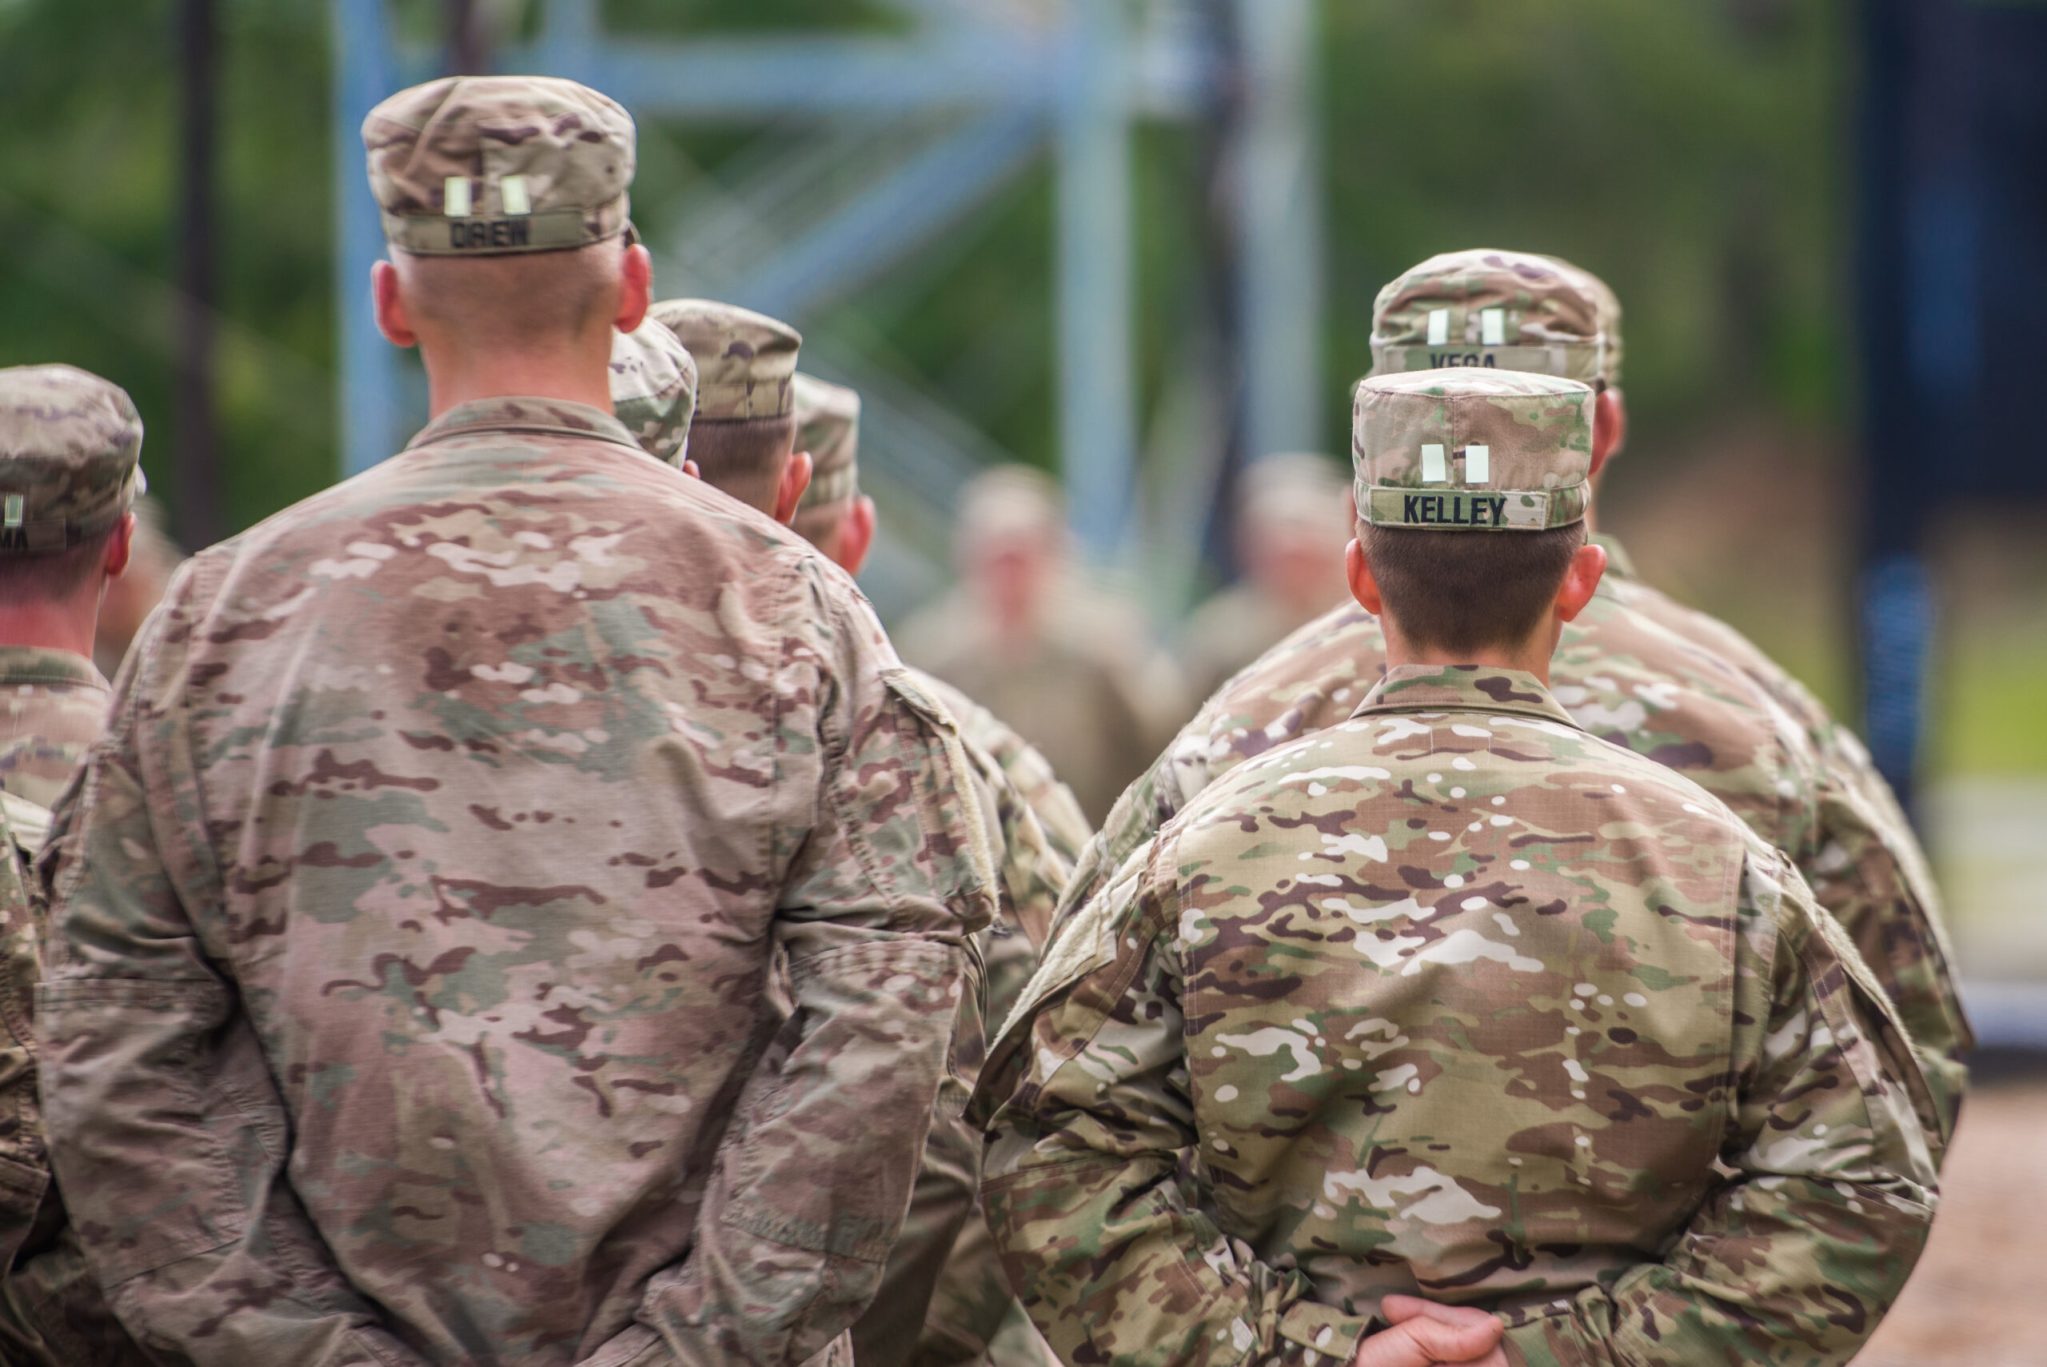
(514, 301)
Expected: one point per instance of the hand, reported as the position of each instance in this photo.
(1425, 1334)
(689, 467)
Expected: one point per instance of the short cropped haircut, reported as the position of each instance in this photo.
(502, 300)
(743, 456)
(1463, 592)
(50, 576)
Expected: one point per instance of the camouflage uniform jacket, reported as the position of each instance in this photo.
(52, 1313)
(1454, 999)
(53, 705)
(943, 1298)
(1869, 859)
(410, 928)
(1629, 680)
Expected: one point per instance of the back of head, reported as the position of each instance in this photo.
(654, 390)
(828, 427)
(1499, 310)
(1471, 491)
(1292, 521)
(505, 200)
(70, 443)
(745, 427)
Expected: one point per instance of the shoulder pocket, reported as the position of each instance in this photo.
(953, 799)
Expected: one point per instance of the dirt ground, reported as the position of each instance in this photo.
(1976, 1295)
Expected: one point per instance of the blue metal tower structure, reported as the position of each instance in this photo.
(1013, 80)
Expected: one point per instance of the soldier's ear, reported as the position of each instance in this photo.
(1358, 570)
(635, 289)
(120, 547)
(1609, 426)
(388, 301)
(1581, 580)
(789, 491)
(856, 535)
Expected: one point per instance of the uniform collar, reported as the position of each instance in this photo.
(1618, 561)
(41, 665)
(1462, 688)
(557, 417)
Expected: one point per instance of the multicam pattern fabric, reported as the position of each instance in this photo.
(828, 427)
(746, 361)
(1455, 450)
(1627, 679)
(943, 1298)
(654, 389)
(493, 165)
(1493, 308)
(1453, 999)
(53, 706)
(69, 443)
(1868, 867)
(405, 984)
(52, 1312)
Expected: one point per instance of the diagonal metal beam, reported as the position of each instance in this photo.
(916, 201)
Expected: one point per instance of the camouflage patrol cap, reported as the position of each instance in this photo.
(746, 361)
(494, 165)
(1472, 450)
(1498, 309)
(654, 389)
(828, 426)
(69, 443)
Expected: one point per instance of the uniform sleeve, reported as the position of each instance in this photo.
(166, 1131)
(811, 1182)
(24, 1165)
(1113, 1257)
(1800, 1250)
(1869, 873)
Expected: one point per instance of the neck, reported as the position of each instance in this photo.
(66, 625)
(1531, 656)
(578, 373)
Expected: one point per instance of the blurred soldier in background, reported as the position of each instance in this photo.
(1292, 522)
(1622, 670)
(69, 479)
(153, 558)
(1453, 999)
(404, 995)
(1068, 666)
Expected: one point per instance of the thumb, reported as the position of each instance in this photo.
(1462, 1341)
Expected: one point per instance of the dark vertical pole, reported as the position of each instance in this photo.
(468, 37)
(1220, 241)
(197, 435)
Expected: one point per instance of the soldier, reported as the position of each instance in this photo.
(1456, 999)
(1065, 665)
(1291, 528)
(411, 924)
(943, 1298)
(943, 1254)
(70, 443)
(1622, 671)
(744, 434)
(654, 391)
